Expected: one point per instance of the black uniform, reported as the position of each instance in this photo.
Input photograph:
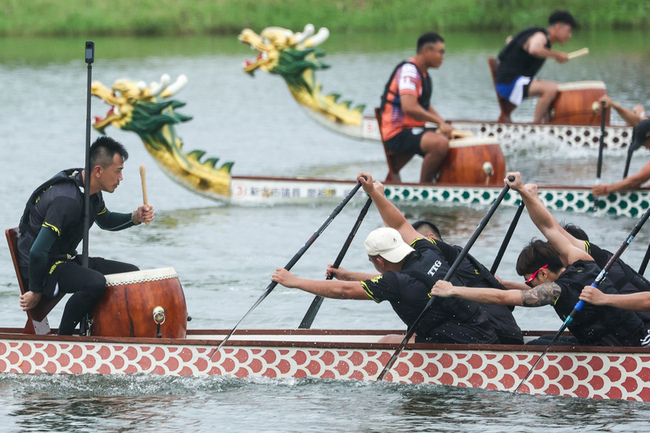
(449, 320)
(596, 325)
(50, 230)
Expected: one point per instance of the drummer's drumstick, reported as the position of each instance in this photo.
(578, 53)
(143, 178)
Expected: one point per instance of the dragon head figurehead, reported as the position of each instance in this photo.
(294, 57)
(147, 111)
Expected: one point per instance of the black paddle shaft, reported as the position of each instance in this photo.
(90, 58)
(601, 147)
(447, 277)
(310, 315)
(506, 240)
(293, 261)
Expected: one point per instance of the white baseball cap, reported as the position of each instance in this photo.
(387, 243)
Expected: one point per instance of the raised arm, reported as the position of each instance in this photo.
(391, 216)
(545, 222)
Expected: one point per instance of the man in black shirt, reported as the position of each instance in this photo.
(524, 56)
(52, 227)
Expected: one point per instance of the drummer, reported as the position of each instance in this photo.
(52, 226)
(524, 55)
(641, 138)
(405, 108)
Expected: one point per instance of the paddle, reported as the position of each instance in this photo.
(578, 53)
(293, 261)
(601, 146)
(644, 262)
(630, 151)
(90, 58)
(447, 277)
(310, 315)
(143, 179)
(599, 278)
(506, 240)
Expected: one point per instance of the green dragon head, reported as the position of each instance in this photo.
(147, 111)
(294, 57)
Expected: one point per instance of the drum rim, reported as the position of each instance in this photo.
(141, 276)
(582, 85)
(473, 141)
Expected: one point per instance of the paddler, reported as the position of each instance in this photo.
(632, 117)
(524, 55)
(556, 271)
(641, 138)
(408, 265)
(406, 108)
(52, 226)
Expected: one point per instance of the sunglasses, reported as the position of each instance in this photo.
(532, 277)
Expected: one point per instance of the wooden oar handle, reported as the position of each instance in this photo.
(143, 178)
(578, 53)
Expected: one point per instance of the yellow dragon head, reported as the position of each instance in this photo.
(294, 57)
(147, 111)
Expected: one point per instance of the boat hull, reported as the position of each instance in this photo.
(271, 191)
(587, 372)
(512, 135)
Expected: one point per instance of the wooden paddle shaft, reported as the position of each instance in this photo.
(578, 53)
(143, 178)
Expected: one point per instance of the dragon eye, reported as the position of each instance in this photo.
(117, 93)
(266, 41)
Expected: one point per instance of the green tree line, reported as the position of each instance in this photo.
(61, 18)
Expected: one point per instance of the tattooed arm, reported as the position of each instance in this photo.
(544, 294)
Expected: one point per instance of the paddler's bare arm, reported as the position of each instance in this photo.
(544, 294)
(630, 182)
(633, 301)
(391, 216)
(326, 288)
(545, 222)
(630, 117)
(345, 275)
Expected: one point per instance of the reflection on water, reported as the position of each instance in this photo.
(225, 255)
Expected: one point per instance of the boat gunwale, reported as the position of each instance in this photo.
(15, 334)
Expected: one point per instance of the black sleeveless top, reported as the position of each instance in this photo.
(514, 61)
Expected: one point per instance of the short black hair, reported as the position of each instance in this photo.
(428, 38)
(575, 231)
(103, 150)
(563, 17)
(537, 254)
(428, 225)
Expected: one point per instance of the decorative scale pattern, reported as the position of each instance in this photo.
(587, 375)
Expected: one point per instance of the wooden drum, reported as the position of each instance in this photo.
(473, 161)
(577, 104)
(127, 307)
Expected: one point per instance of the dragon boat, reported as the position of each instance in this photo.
(472, 175)
(140, 326)
(575, 116)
